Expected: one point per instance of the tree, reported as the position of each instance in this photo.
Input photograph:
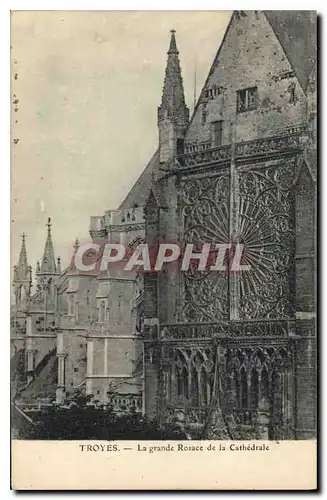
(83, 417)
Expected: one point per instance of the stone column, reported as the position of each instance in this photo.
(306, 286)
(173, 383)
(233, 229)
(61, 370)
(89, 367)
(232, 393)
(151, 374)
(170, 231)
(29, 350)
(249, 395)
(60, 391)
(288, 403)
(105, 358)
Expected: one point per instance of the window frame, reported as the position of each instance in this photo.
(217, 144)
(103, 307)
(71, 305)
(247, 92)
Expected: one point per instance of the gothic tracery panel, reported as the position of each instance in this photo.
(255, 378)
(192, 375)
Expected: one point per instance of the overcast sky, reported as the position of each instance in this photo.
(88, 85)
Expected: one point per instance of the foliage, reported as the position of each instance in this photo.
(85, 418)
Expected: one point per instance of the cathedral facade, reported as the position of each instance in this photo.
(222, 354)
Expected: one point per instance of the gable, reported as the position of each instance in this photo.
(250, 55)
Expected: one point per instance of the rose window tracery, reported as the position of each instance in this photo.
(258, 213)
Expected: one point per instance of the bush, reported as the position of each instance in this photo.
(84, 418)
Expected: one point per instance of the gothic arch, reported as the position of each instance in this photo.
(181, 372)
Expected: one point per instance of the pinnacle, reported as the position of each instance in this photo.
(173, 46)
(48, 264)
(76, 244)
(173, 100)
(49, 225)
(22, 268)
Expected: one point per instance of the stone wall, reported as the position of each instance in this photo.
(250, 56)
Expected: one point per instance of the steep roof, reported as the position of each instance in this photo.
(44, 383)
(139, 193)
(297, 34)
(296, 31)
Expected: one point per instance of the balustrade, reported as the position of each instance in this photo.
(203, 153)
(187, 415)
(231, 329)
(245, 416)
(122, 403)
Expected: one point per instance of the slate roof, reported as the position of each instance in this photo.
(45, 381)
(139, 193)
(297, 34)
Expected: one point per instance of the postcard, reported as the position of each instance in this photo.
(163, 218)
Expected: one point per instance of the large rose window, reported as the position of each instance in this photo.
(258, 212)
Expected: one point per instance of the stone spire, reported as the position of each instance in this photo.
(173, 100)
(48, 263)
(22, 270)
(76, 245)
(58, 265)
(173, 114)
(22, 281)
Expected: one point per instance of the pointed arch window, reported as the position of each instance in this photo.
(217, 133)
(276, 391)
(243, 388)
(254, 389)
(102, 311)
(182, 383)
(181, 372)
(194, 386)
(264, 385)
(204, 387)
(71, 305)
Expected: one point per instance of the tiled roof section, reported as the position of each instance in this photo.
(139, 193)
(45, 381)
(297, 33)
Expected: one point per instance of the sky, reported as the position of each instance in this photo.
(85, 87)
